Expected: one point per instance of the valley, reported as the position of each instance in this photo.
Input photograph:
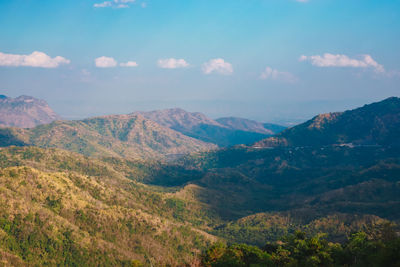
(106, 191)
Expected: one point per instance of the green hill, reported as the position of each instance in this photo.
(316, 181)
(58, 208)
(129, 136)
(373, 124)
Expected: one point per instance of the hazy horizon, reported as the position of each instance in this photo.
(271, 61)
(218, 110)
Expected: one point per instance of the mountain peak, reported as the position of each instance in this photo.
(25, 112)
(373, 124)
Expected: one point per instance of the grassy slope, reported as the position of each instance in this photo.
(66, 216)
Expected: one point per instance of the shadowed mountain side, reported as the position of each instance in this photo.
(276, 128)
(199, 126)
(250, 125)
(10, 137)
(222, 136)
(373, 124)
(240, 181)
(130, 136)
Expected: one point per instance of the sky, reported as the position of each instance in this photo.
(269, 60)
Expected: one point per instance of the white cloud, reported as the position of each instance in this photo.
(172, 63)
(115, 4)
(129, 64)
(217, 65)
(36, 59)
(105, 62)
(104, 4)
(330, 60)
(273, 74)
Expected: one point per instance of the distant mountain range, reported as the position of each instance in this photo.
(223, 131)
(25, 112)
(373, 124)
(29, 112)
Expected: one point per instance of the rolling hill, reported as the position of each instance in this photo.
(130, 136)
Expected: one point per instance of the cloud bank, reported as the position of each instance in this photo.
(330, 60)
(273, 74)
(36, 59)
(217, 65)
(172, 63)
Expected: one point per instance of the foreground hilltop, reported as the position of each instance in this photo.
(130, 136)
(373, 124)
(25, 112)
(59, 208)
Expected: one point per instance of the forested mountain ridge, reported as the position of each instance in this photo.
(374, 124)
(25, 112)
(130, 136)
(199, 126)
(237, 182)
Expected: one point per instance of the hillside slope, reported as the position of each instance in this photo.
(61, 208)
(25, 112)
(199, 126)
(130, 136)
(373, 124)
(239, 181)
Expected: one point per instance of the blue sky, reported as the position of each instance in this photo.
(270, 60)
